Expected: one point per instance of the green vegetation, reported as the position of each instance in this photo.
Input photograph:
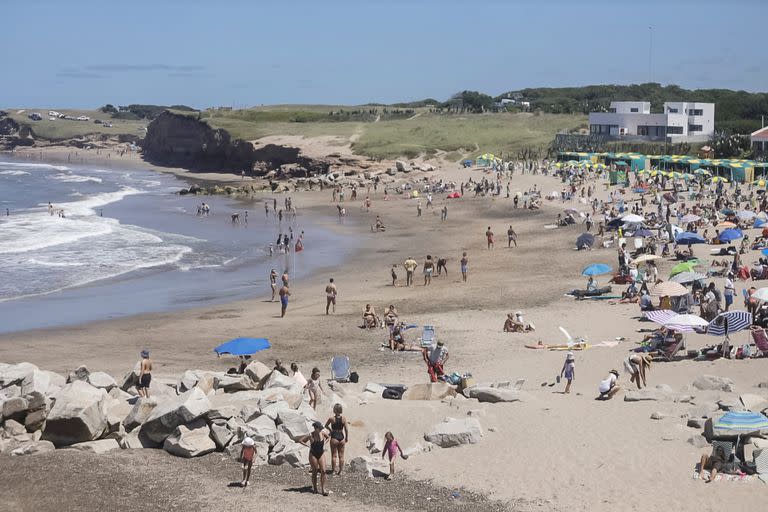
(61, 129)
(735, 111)
(248, 130)
(462, 135)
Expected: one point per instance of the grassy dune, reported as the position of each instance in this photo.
(60, 129)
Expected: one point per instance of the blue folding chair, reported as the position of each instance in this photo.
(340, 369)
(427, 336)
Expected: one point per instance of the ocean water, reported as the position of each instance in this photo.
(128, 244)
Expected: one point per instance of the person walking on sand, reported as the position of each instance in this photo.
(568, 371)
(145, 374)
(489, 238)
(444, 214)
(337, 425)
(285, 278)
(464, 265)
(273, 283)
(418, 208)
(284, 294)
(330, 296)
(429, 268)
(511, 237)
(393, 273)
(316, 442)
(247, 453)
(391, 448)
(410, 267)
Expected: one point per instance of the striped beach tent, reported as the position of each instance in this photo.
(741, 421)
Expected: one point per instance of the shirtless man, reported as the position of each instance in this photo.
(284, 294)
(145, 374)
(330, 296)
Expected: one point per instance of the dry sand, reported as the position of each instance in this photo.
(554, 452)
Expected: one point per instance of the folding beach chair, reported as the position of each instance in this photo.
(668, 351)
(760, 458)
(340, 369)
(427, 337)
(761, 340)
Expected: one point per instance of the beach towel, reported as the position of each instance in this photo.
(723, 477)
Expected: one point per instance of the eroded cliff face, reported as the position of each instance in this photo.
(12, 134)
(184, 141)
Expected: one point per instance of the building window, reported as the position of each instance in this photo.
(672, 110)
(633, 109)
(694, 127)
(674, 130)
(695, 112)
(612, 110)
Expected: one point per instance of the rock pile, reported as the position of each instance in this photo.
(200, 413)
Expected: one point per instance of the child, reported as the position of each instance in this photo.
(247, 452)
(569, 371)
(394, 275)
(391, 448)
(314, 388)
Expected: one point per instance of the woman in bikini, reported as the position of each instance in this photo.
(339, 437)
(316, 442)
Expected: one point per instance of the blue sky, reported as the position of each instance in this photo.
(80, 53)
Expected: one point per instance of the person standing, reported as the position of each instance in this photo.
(429, 268)
(511, 237)
(316, 442)
(489, 238)
(435, 357)
(284, 294)
(410, 267)
(145, 374)
(273, 283)
(391, 448)
(247, 453)
(729, 290)
(337, 425)
(393, 273)
(418, 208)
(330, 296)
(444, 213)
(568, 371)
(464, 265)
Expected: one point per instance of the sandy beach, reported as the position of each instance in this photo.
(549, 452)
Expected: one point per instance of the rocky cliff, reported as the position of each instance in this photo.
(12, 134)
(184, 141)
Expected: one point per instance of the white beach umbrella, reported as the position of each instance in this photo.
(646, 257)
(632, 218)
(761, 294)
(679, 322)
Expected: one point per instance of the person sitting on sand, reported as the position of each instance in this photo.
(397, 340)
(369, 317)
(609, 386)
(717, 463)
(516, 323)
(635, 365)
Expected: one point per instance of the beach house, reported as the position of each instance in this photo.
(759, 141)
(680, 121)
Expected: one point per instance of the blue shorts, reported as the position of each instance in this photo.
(284, 301)
(728, 300)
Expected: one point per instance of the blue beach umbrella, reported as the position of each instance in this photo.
(759, 223)
(596, 269)
(764, 252)
(243, 346)
(687, 237)
(741, 421)
(729, 235)
(643, 233)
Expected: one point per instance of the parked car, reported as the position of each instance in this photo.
(53, 113)
(83, 118)
(107, 125)
(35, 116)
(97, 121)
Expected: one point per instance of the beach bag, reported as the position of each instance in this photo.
(392, 394)
(354, 378)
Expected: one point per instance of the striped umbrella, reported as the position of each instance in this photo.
(687, 277)
(685, 323)
(741, 422)
(660, 316)
(733, 321)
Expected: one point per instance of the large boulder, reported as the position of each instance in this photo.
(235, 383)
(278, 380)
(288, 452)
(99, 447)
(221, 434)
(33, 448)
(173, 412)
(401, 166)
(274, 409)
(13, 428)
(369, 466)
(190, 440)
(140, 412)
(101, 380)
(133, 441)
(262, 429)
(494, 395)
(713, 383)
(79, 373)
(661, 393)
(35, 384)
(15, 408)
(374, 442)
(188, 381)
(429, 391)
(452, 432)
(35, 419)
(15, 373)
(753, 402)
(79, 414)
(257, 371)
(294, 424)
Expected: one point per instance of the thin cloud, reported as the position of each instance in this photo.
(76, 73)
(119, 68)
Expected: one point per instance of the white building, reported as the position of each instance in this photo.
(632, 120)
(759, 140)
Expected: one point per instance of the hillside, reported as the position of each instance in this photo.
(735, 111)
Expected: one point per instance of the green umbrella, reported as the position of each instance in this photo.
(686, 266)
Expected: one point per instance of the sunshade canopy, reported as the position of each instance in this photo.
(596, 269)
(243, 346)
